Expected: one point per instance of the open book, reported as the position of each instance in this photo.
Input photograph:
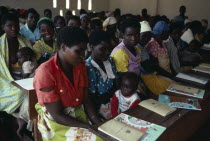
(26, 84)
(193, 78)
(157, 107)
(121, 131)
(151, 131)
(186, 90)
(202, 69)
(180, 102)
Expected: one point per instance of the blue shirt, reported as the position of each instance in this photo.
(29, 35)
(97, 85)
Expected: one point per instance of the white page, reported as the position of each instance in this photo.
(26, 83)
(191, 78)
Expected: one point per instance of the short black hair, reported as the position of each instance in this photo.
(182, 7)
(71, 36)
(94, 23)
(196, 43)
(48, 10)
(33, 11)
(45, 21)
(98, 36)
(196, 27)
(176, 26)
(144, 11)
(82, 11)
(129, 23)
(26, 51)
(130, 75)
(9, 17)
(76, 18)
(58, 17)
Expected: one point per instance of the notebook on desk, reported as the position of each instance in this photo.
(121, 131)
(205, 65)
(186, 90)
(202, 69)
(150, 130)
(157, 107)
(179, 102)
(193, 78)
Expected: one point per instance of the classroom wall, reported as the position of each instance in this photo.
(196, 9)
(133, 6)
(40, 5)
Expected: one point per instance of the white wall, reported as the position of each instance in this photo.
(133, 6)
(40, 5)
(196, 9)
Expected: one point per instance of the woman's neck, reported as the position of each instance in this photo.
(66, 67)
(32, 28)
(11, 38)
(131, 49)
(49, 43)
(95, 59)
(159, 41)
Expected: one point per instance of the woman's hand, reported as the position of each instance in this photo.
(90, 108)
(56, 111)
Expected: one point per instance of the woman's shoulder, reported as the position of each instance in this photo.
(48, 66)
(119, 52)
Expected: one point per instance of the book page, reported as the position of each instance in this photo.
(205, 65)
(157, 107)
(183, 88)
(202, 69)
(179, 102)
(26, 83)
(120, 131)
(192, 78)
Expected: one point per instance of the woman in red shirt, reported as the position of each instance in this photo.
(61, 85)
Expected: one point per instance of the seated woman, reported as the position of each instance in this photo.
(30, 30)
(190, 56)
(13, 100)
(101, 71)
(59, 23)
(156, 48)
(151, 73)
(126, 55)
(46, 47)
(194, 31)
(61, 85)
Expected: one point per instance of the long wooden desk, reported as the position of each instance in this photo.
(181, 125)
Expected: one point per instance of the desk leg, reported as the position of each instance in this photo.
(37, 134)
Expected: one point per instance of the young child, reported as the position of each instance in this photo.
(127, 96)
(25, 56)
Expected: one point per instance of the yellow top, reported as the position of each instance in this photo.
(40, 48)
